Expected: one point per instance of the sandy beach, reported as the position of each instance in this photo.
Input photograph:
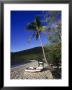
(19, 72)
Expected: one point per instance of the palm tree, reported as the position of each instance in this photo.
(37, 28)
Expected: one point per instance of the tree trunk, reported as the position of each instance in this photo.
(43, 51)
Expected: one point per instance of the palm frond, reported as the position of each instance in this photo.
(31, 37)
(43, 28)
(38, 21)
(37, 34)
(31, 26)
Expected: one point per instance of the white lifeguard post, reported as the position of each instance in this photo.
(40, 64)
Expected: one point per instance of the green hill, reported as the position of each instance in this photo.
(26, 55)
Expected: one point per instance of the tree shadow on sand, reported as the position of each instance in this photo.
(56, 73)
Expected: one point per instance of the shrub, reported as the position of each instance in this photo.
(53, 53)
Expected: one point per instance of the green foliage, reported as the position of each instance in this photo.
(38, 22)
(37, 27)
(31, 26)
(53, 53)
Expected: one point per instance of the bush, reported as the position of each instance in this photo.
(53, 53)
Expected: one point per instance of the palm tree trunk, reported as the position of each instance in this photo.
(43, 51)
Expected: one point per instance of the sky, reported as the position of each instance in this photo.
(20, 35)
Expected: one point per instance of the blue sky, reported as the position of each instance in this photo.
(20, 35)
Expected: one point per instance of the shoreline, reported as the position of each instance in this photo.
(19, 72)
(20, 65)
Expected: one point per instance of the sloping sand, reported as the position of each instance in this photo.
(19, 73)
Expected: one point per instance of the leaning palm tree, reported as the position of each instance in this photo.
(37, 27)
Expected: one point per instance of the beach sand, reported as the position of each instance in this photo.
(19, 72)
